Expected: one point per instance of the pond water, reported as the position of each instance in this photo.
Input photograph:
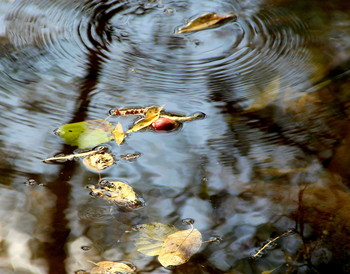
(271, 155)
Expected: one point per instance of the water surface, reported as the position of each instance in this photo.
(271, 154)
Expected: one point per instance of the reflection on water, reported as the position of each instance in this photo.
(271, 155)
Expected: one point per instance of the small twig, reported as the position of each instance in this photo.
(71, 156)
(259, 252)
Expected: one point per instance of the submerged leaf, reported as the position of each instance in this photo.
(207, 20)
(179, 247)
(86, 134)
(152, 237)
(116, 192)
(266, 96)
(118, 133)
(106, 267)
(152, 114)
(99, 161)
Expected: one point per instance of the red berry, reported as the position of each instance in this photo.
(164, 124)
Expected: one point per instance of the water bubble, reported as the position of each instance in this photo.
(188, 221)
(58, 155)
(196, 42)
(106, 183)
(200, 115)
(31, 182)
(111, 112)
(168, 11)
(101, 148)
(85, 247)
(215, 239)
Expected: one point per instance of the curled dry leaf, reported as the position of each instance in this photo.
(108, 267)
(116, 192)
(179, 247)
(99, 161)
(130, 156)
(207, 20)
(151, 115)
(177, 118)
(152, 237)
(86, 134)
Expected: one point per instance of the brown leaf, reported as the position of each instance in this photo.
(116, 192)
(99, 161)
(179, 247)
(152, 114)
(107, 267)
(205, 21)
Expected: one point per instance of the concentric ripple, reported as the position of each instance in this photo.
(141, 36)
(247, 54)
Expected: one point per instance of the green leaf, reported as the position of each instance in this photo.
(86, 134)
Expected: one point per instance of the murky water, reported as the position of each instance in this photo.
(271, 155)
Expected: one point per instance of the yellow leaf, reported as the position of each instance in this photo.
(205, 21)
(106, 267)
(116, 192)
(152, 237)
(118, 133)
(99, 161)
(152, 114)
(179, 247)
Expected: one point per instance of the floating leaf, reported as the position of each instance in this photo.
(107, 267)
(116, 192)
(196, 116)
(119, 134)
(99, 161)
(179, 247)
(130, 156)
(128, 111)
(86, 134)
(152, 237)
(207, 20)
(152, 114)
(174, 247)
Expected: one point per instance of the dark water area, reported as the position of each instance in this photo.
(272, 154)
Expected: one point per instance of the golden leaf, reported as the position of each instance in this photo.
(99, 161)
(205, 21)
(106, 267)
(152, 237)
(179, 247)
(116, 192)
(152, 114)
(118, 133)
